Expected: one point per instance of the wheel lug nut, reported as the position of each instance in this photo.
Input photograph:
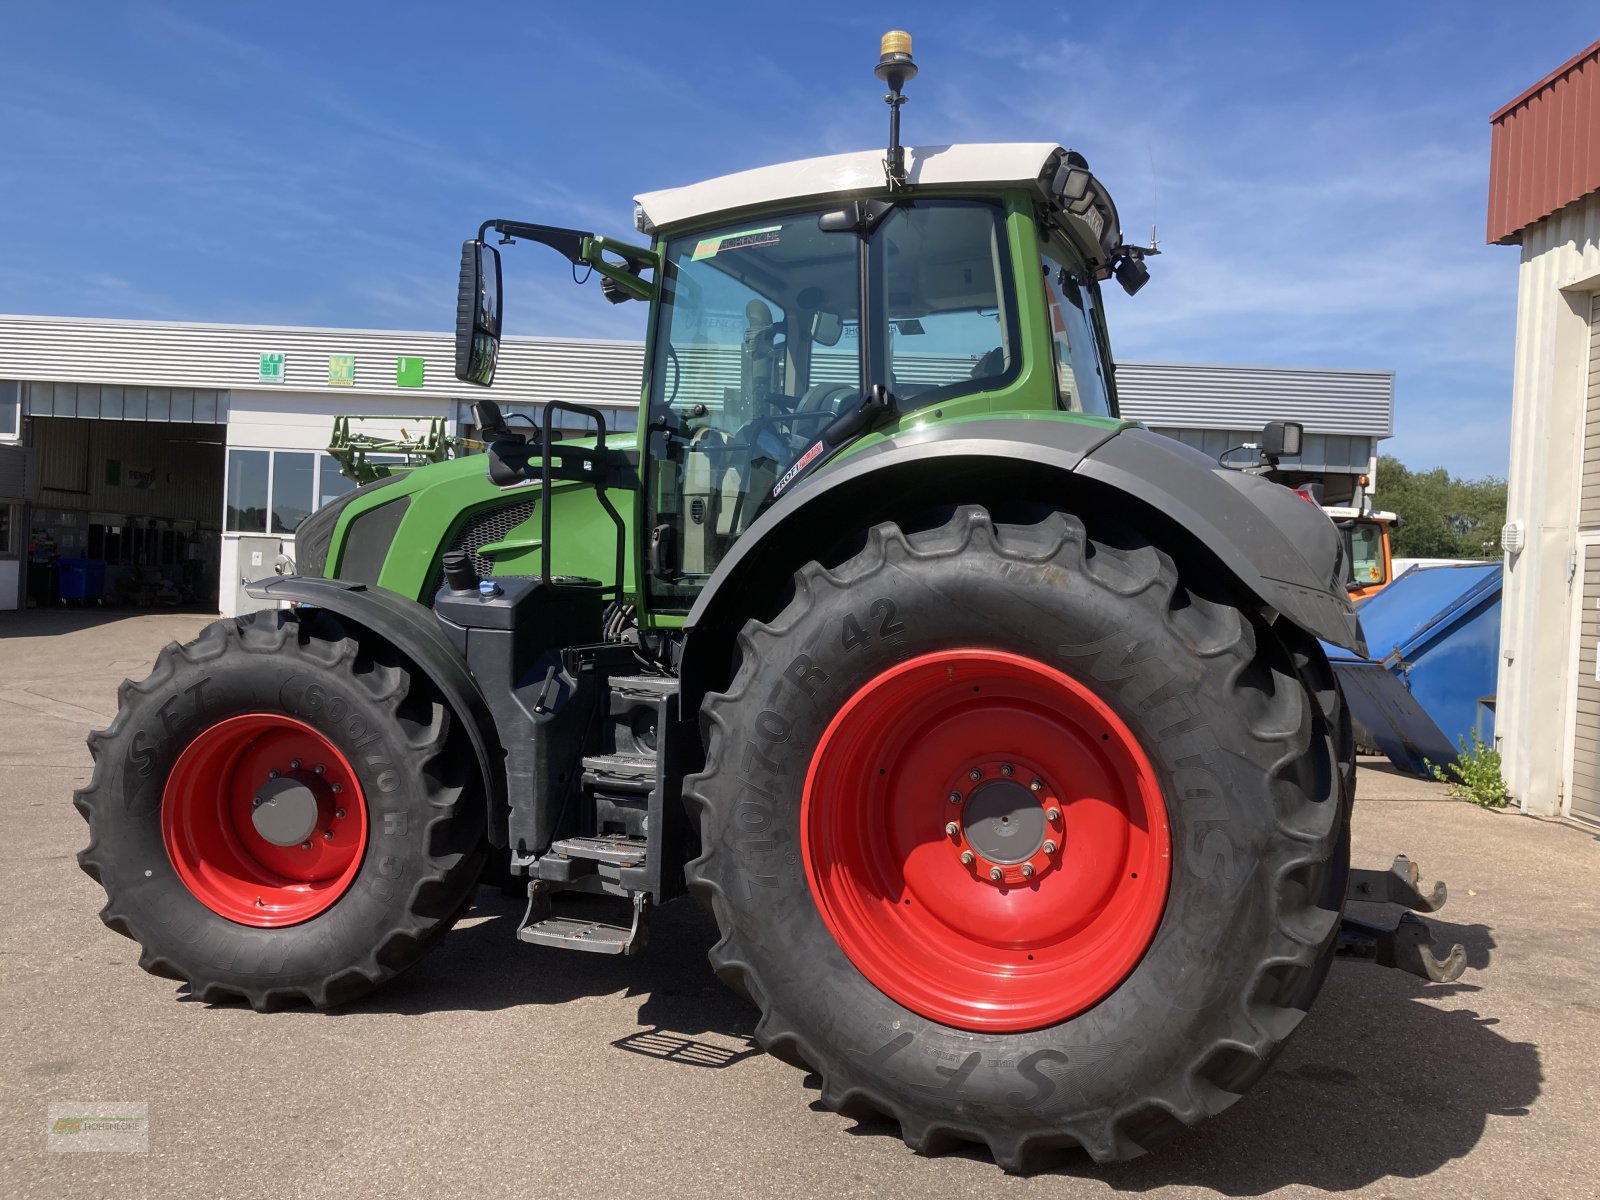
(1036, 786)
(319, 768)
(272, 774)
(337, 788)
(1027, 870)
(996, 874)
(1007, 769)
(955, 797)
(974, 774)
(339, 812)
(1049, 847)
(952, 828)
(305, 845)
(968, 858)
(1052, 815)
(327, 835)
(294, 764)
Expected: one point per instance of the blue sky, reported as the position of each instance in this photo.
(1317, 172)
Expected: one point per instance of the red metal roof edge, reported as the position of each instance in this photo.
(1592, 52)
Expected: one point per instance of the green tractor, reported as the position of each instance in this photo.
(992, 727)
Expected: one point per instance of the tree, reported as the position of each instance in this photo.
(1444, 517)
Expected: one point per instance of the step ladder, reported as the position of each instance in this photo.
(592, 892)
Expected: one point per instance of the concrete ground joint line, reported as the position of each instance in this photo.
(61, 710)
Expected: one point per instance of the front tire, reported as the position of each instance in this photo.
(1105, 986)
(282, 812)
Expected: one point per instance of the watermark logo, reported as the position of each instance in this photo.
(114, 1126)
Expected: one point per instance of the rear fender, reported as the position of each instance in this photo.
(414, 632)
(1276, 547)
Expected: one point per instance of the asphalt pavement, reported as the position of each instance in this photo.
(495, 1068)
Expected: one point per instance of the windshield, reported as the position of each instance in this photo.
(760, 344)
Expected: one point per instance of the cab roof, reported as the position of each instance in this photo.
(992, 165)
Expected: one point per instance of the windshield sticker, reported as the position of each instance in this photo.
(712, 246)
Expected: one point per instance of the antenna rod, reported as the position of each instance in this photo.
(895, 68)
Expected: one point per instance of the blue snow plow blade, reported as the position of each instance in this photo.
(1434, 637)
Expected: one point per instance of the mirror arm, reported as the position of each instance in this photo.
(624, 275)
(584, 249)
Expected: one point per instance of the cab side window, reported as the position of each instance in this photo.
(1080, 374)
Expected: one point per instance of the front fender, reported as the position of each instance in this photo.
(413, 631)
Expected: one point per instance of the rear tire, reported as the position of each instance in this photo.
(1244, 754)
(377, 841)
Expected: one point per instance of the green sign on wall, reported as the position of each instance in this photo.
(272, 363)
(341, 370)
(408, 372)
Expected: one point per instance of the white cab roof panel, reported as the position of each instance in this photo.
(928, 166)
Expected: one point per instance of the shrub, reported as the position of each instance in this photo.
(1477, 774)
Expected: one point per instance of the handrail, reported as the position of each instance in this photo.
(547, 431)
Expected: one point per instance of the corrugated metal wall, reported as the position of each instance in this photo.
(131, 354)
(1545, 147)
(1589, 484)
(1584, 773)
(1584, 770)
(222, 357)
(1184, 396)
(1320, 452)
(171, 471)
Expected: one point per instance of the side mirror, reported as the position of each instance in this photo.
(1281, 439)
(487, 417)
(827, 328)
(478, 313)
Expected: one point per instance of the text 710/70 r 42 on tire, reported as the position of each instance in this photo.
(1017, 837)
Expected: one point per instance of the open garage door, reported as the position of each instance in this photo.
(124, 512)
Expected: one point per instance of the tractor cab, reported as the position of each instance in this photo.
(797, 310)
(1366, 547)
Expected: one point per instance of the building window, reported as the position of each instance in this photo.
(293, 489)
(6, 548)
(330, 483)
(272, 491)
(249, 472)
(10, 408)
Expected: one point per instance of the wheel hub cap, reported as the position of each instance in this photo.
(1003, 822)
(285, 812)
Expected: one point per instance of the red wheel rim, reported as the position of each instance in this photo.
(920, 830)
(229, 852)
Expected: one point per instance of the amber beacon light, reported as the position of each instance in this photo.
(895, 68)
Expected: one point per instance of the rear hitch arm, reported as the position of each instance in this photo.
(1400, 884)
(1407, 944)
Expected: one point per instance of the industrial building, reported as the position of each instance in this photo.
(1544, 196)
(183, 456)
